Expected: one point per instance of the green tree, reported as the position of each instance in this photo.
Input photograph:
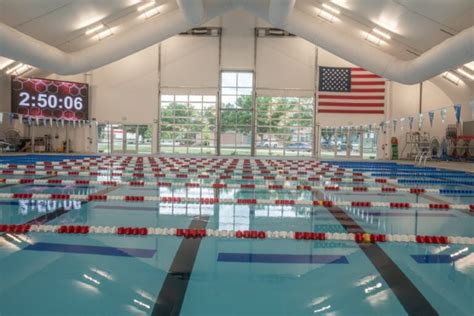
(237, 117)
(274, 115)
(182, 122)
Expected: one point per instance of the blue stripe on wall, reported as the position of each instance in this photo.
(436, 258)
(280, 258)
(92, 250)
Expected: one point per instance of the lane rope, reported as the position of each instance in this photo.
(224, 185)
(246, 201)
(246, 234)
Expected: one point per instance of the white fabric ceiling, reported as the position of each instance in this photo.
(415, 25)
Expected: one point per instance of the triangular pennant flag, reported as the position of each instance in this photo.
(10, 118)
(1, 117)
(62, 122)
(457, 112)
(431, 117)
(394, 124)
(402, 120)
(443, 115)
(420, 120)
(410, 122)
(20, 118)
(30, 120)
(51, 121)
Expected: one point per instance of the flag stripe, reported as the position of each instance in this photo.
(352, 111)
(378, 105)
(366, 76)
(368, 83)
(352, 97)
(367, 90)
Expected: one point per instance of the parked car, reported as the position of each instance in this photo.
(298, 146)
(265, 143)
(343, 146)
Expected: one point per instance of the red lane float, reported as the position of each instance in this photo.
(55, 196)
(191, 233)
(15, 229)
(399, 205)
(73, 229)
(250, 234)
(439, 206)
(97, 197)
(431, 239)
(134, 198)
(361, 204)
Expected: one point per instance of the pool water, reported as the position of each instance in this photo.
(46, 273)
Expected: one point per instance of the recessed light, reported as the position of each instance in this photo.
(381, 33)
(465, 74)
(94, 29)
(146, 6)
(331, 9)
(104, 34)
(373, 39)
(151, 13)
(14, 68)
(470, 65)
(451, 77)
(326, 15)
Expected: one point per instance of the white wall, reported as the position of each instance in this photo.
(238, 41)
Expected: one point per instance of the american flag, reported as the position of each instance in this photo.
(350, 91)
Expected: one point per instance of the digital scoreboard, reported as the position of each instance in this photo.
(50, 98)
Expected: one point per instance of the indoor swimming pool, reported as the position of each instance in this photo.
(154, 235)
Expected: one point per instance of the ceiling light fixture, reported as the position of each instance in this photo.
(381, 33)
(326, 15)
(151, 13)
(18, 69)
(448, 75)
(465, 74)
(95, 29)
(373, 39)
(23, 69)
(12, 69)
(470, 65)
(104, 34)
(6, 63)
(331, 9)
(145, 6)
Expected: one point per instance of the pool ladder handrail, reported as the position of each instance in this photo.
(421, 158)
(418, 157)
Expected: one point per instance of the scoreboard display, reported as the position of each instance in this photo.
(46, 98)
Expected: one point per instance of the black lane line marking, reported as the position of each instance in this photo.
(408, 295)
(60, 211)
(171, 297)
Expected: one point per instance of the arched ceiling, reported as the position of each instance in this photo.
(415, 27)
